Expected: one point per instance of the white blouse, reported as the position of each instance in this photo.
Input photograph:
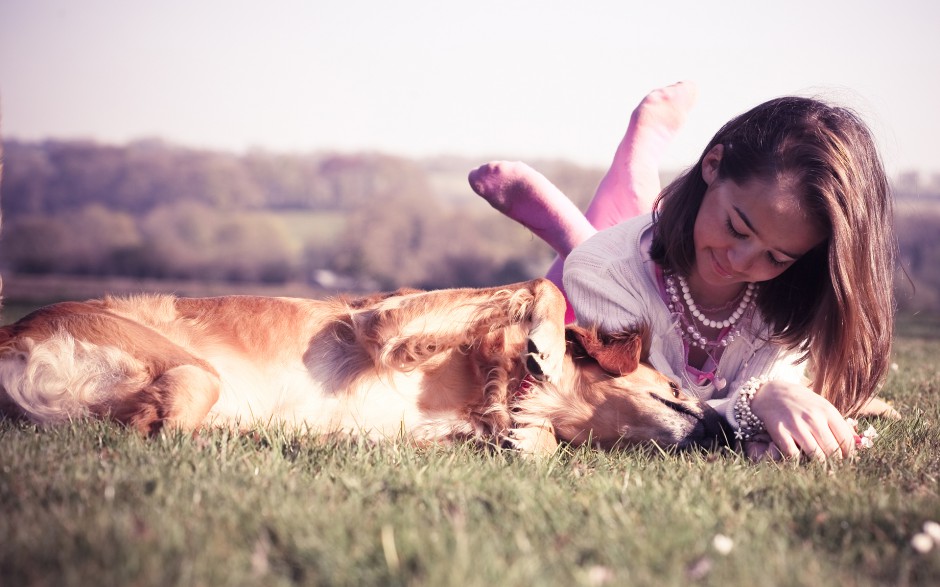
(612, 283)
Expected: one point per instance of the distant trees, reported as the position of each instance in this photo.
(918, 227)
(33, 243)
(152, 210)
(189, 240)
(369, 220)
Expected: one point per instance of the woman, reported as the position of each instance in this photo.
(776, 250)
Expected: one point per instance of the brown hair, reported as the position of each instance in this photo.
(836, 303)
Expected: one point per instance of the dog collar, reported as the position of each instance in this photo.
(524, 388)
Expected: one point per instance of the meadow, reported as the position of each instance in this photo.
(92, 504)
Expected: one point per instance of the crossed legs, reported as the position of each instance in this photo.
(629, 187)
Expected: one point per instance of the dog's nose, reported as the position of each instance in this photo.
(715, 428)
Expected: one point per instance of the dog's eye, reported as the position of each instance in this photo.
(676, 393)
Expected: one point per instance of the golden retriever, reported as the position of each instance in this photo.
(497, 365)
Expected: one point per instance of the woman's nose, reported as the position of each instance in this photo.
(741, 257)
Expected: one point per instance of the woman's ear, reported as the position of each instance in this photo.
(711, 162)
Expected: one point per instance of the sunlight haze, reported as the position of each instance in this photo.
(486, 79)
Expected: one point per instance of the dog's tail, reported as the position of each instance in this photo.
(61, 378)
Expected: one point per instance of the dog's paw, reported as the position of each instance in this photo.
(545, 352)
(531, 440)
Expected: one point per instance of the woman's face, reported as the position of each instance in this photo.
(749, 232)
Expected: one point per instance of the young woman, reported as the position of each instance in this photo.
(774, 252)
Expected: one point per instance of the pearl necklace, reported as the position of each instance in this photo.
(730, 321)
(691, 333)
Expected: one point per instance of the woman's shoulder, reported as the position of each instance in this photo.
(613, 259)
(609, 278)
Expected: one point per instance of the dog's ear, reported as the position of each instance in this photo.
(617, 354)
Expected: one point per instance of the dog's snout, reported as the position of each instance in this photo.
(687, 408)
(715, 429)
(710, 429)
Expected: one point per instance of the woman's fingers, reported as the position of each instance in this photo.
(819, 439)
(844, 434)
(801, 422)
(786, 444)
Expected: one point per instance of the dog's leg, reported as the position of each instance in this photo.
(493, 365)
(545, 349)
(407, 330)
(495, 359)
(179, 398)
(535, 440)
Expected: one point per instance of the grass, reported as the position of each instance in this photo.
(90, 503)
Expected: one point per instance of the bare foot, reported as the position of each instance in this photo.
(632, 183)
(526, 196)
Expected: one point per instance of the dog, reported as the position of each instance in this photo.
(493, 365)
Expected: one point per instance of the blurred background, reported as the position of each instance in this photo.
(307, 147)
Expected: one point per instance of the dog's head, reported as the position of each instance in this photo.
(623, 400)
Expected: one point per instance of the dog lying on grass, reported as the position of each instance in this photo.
(496, 365)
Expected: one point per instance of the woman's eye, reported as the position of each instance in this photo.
(733, 232)
(775, 262)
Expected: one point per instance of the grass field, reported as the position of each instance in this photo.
(92, 504)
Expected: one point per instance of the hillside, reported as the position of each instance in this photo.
(364, 220)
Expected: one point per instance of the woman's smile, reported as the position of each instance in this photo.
(718, 268)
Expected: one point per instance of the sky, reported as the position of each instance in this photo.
(508, 79)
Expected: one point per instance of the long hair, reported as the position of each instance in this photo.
(836, 303)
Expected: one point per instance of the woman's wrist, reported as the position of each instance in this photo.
(746, 423)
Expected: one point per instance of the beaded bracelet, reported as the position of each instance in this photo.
(749, 425)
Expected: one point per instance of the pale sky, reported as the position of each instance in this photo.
(485, 78)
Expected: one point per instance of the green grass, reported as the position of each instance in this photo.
(92, 504)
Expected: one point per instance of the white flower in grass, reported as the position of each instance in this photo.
(723, 544)
(599, 575)
(868, 437)
(932, 529)
(894, 367)
(865, 439)
(922, 543)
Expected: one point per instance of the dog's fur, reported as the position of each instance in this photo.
(449, 364)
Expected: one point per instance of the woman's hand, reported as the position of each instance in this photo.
(799, 422)
(762, 449)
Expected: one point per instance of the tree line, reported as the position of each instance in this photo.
(149, 209)
(357, 221)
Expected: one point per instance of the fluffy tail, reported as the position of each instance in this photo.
(61, 378)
